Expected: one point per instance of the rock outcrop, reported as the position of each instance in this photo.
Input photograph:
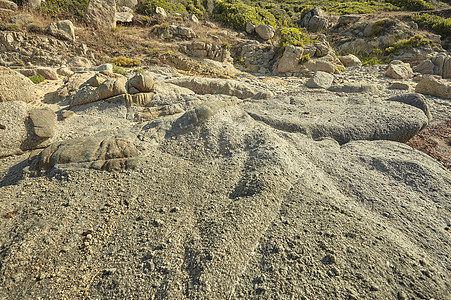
(430, 85)
(217, 86)
(104, 151)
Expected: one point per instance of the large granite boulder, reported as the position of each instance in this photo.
(15, 86)
(101, 14)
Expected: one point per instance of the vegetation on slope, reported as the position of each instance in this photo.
(437, 24)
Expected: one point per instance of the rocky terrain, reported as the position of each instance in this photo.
(168, 157)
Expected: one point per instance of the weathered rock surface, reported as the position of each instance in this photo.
(430, 85)
(15, 87)
(218, 86)
(416, 100)
(101, 14)
(102, 152)
(343, 120)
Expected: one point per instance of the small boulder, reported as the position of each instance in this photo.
(79, 62)
(124, 17)
(399, 70)
(266, 32)
(101, 14)
(127, 3)
(193, 18)
(44, 121)
(320, 80)
(350, 60)
(397, 85)
(63, 30)
(8, 5)
(250, 28)
(429, 85)
(290, 59)
(160, 12)
(141, 83)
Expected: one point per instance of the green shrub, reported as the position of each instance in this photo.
(415, 41)
(292, 36)
(122, 61)
(358, 7)
(437, 24)
(237, 14)
(147, 7)
(304, 58)
(65, 8)
(412, 4)
(37, 78)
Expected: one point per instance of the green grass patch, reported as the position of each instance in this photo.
(37, 78)
(437, 24)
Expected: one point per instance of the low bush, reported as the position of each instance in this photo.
(119, 70)
(71, 9)
(415, 41)
(416, 5)
(292, 36)
(437, 24)
(147, 7)
(37, 78)
(237, 14)
(122, 61)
